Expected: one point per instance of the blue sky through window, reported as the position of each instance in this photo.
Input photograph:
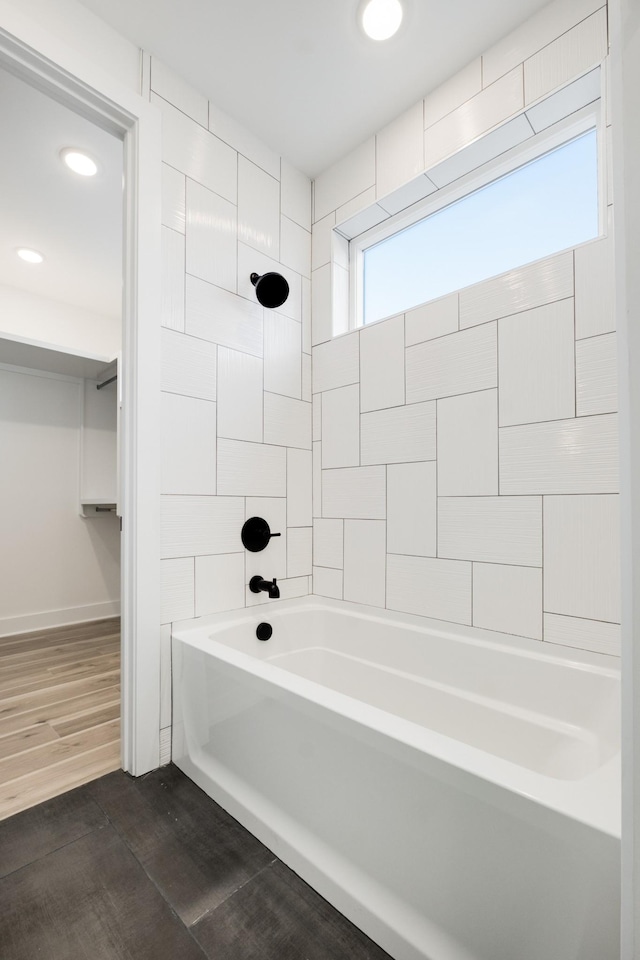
(547, 205)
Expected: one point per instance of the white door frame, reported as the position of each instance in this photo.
(69, 78)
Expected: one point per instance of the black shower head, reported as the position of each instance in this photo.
(271, 289)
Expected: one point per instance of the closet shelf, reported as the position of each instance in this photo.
(38, 355)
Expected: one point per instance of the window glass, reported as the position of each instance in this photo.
(545, 206)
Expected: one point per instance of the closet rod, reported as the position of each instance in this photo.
(104, 383)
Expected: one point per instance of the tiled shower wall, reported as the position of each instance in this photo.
(236, 379)
(465, 453)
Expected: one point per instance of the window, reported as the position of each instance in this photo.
(543, 206)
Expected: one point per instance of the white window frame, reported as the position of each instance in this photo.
(565, 130)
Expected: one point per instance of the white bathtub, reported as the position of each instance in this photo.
(453, 791)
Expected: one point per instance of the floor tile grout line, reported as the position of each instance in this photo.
(212, 910)
(57, 849)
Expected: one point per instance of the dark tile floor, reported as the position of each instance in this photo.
(153, 869)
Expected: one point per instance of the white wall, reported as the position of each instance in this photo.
(444, 484)
(55, 567)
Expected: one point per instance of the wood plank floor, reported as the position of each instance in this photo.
(59, 711)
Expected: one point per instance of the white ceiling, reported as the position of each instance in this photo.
(75, 222)
(301, 75)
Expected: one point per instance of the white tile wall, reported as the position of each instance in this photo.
(296, 195)
(361, 202)
(491, 529)
(481, 151)
(251, 469)
(508, 599)
(345, 180)
(295, 246)
(567, 57)
(194, 526)
(188, 445)
(211, 237)
(327, 583)
(354, 492)
(165, 683)
(521, 289)
(411, 509)
(173, 198)
(398, 435)
(219, 583)
(321, 305)
(251, 261)
(172, 286)
(382, 365)
(400, 151)
(595, 301)
(306, 378)
(460, 88)
(244, 141)
(272, 561)
(316, 455)
(341, 427)
(176, 589)
(316, 416)
(365, 561)
(173, 88)
(240, 395)
(222, 317)
(582, 557)
(431, 320)
(563, 456)
(282, 347)
(287, 421)
(258, 208)
(321, 241)
(299, 478)
(537, 364)
(460, 363)
(188, 366)
(596, 375)
(429, 587)
(299, 551)
(336, 363)
(584, 634)
(328, 543)
(468, 445)
(289, 589)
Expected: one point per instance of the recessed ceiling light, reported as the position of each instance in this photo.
(80, 162)
(381, 18)
(31, 256)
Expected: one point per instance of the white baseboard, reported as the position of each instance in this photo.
(58, 618)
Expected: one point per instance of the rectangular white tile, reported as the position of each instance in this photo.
(594, 635)
(595, 289)
(468, 158)
(272, 561)
(170, 86)
(431, 320)
(508, 599)
(582, 557)
(174, 190)
(295, 246)
(321, 305)
(410, 193)
(328, 543)
(299, 493)
(345, 179)
(536, 370)
(188, 445)
(321, 240)
(197, 153)
(193, 526)
(282, 346)
(339, 299)
(316, 463)
(522, 289)
(251, 469)
(254, 261)
(491, 529)
(474, 117)
(411, 509)
(541, 29)
(296, 195)
(570, 55)
(172, 282)
(341, 427)
(306, 377)
(398, 435)
(564, 456)
(460, 363)
(219, 583)
(306, 315)
(455, 91)
(289, 590)
(211, 236)
(258, 208)
(327, 583)
(365, 561)
(358, 493)
(165, 677)
(336, 363)
(382, 364)
(239, 395)
(221, 317)
(596, 375)
(566, 101)
(468, 445)
(359, 203)
(400, 150)
(176, 589)
(316, 417)
(188, 366)
(287, 422)
(429, 587)
(299, 545)
(238, 137)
